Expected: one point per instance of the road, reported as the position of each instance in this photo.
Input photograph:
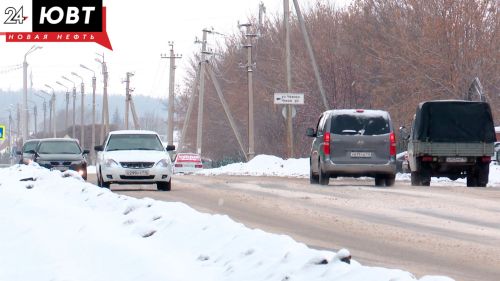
(441, 230)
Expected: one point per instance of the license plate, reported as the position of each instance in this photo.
(361, 154)
(456, 159)
(136, 172)
(59, 168)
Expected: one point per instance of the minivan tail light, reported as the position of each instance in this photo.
(392, 138)
(326, 143)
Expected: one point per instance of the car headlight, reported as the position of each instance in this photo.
(110, 163)
(163, 163)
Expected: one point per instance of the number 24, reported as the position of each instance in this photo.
(15, 16)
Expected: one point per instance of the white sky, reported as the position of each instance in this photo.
(139, 32)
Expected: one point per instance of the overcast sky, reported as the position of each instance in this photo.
(139, 32)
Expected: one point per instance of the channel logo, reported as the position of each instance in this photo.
(54, 21)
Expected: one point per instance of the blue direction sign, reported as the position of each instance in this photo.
(2, 132)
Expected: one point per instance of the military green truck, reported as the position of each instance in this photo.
(453, 139)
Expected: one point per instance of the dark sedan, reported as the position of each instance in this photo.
(25, 157)
(61, 154)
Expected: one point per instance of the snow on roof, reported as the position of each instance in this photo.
(122, 132)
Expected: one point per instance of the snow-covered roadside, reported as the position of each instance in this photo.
(57, 227)
(267, 165)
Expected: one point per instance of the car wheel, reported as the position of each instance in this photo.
(379, 180)
(323, 177)
(390, 180)
(102, 183)
(415, 179)
(164, 185)
(313, 179)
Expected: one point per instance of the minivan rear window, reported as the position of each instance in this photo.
(348, 124)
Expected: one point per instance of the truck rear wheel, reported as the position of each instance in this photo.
(483, 175)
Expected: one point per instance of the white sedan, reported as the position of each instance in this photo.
(134, 157)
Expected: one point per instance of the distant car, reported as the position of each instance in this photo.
(187, 163)
(353, 143)
(25, 155)
(134, 157)
(61, 154)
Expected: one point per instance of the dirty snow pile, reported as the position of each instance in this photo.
(57, 227)
(264, 165)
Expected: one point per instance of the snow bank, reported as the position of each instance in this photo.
(57, 227)
(264, 165)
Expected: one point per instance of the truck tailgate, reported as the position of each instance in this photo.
(453, 149)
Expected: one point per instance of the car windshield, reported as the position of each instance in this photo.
(359, 125)
(59, 147)
(29, 146)
(134, 142)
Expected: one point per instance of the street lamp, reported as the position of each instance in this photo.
(53, 106)
(67, 104)
(82, 109)
(24, 115)
(93, 110)
(105, 111)
(74, 104)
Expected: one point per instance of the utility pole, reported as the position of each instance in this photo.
(93, 111)
(289, 124)
(249, 67)
(44, 117)
(127, 97)
(25, 93)
(188, 113)
(74, 112)
(52, 105)
(82, 110)
(311, 53)
(129, 103)
(18, 121)
(171, 89)
(199, 130)
(10, 136)
(67, 106)
(105, 111)
(35, 115)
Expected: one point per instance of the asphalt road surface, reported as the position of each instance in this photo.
(437, 230)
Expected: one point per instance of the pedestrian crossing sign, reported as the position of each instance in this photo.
(2, 132)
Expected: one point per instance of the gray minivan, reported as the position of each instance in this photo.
(353, 143)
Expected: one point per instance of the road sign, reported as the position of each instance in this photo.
(2, 132)
(284, 111)
(288, 98)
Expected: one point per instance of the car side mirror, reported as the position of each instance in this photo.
(170, 147)
(86, 151)
(98, 148)
(310, 133)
